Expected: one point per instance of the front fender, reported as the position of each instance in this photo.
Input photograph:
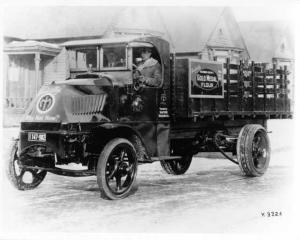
(107, 131)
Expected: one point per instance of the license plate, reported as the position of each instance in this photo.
(36, 137)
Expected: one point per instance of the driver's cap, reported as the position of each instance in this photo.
(147, 49)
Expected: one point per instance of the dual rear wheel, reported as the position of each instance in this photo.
(253, 150)
(253, 153)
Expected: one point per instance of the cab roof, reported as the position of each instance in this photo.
(134, 41)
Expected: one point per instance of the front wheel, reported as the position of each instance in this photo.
(253, 150)
(20, 177)
(117, 169)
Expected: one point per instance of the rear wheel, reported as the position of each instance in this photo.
(177, 167)
(117, 169)
(253, 150)
(20, 177)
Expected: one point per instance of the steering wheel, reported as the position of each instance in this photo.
(137, 83)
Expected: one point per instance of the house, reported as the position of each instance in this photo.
(39, 57)
(269, 41)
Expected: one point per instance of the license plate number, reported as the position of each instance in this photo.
(36, 137)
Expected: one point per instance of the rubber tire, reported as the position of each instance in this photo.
(171, 166)
(244, 150)
(11, 174)
(101, 179)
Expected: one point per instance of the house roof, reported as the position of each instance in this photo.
(227, 32)
(188, 29)
(31, 46)
(268, 39)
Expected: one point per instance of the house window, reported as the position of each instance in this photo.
(282, 48)
(83, 58)
(221, 55)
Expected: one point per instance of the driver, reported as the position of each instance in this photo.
(149, 68)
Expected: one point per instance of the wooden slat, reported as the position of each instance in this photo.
(274, 84)
(253, 84)
(214, 100)
(227, 83)
(265, 86)
(241, 85)
(286, 107)
(173, 86)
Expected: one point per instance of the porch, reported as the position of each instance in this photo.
(24, 64)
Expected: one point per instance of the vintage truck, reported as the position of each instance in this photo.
(109, 122)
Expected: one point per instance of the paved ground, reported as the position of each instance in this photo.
(212, 197)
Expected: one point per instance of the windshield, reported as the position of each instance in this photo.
(113, 57)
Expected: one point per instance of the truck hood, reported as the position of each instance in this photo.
(68, 104)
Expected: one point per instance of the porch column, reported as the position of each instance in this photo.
(5, 79)
(37, 60)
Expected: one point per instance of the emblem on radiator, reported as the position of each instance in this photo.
(45, 103)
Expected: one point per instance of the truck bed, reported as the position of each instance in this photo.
(250, 90)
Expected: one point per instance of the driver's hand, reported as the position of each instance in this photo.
(136, 75)
(142, 79)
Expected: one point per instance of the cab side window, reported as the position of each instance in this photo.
(83, 58)
(114, 57)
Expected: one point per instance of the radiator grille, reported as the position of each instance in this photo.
(90, 104)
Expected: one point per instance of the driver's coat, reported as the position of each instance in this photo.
(151, 70)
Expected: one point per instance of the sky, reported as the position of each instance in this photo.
(243, 10)
(263, 13)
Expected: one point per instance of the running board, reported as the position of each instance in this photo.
(66, 172)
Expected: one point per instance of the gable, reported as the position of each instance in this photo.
(220, 36)
(227, 34)
(284, 48)
(265, 40)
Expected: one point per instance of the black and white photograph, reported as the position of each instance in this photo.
(163, 120)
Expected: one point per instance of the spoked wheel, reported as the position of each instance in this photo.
(253, 150)
(22, 178)
(177, 167)
(117, 169)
